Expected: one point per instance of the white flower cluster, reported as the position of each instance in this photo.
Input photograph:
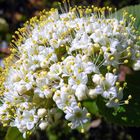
(61, 60)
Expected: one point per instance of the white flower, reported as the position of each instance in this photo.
(80, 42)
(55, 71)
(64, 97)
(110, 93)
(75, 81)
(110, 78)
(86, 67)
(81, 92)
(49, 56)
(76, 115)
(68, 66)
(98, 37)
(25, 121)
(14, 97)
(29, 119)
(105, 86)
(43, 91)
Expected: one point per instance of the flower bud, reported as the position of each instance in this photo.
(41, 112)
(136, 66)
(43, 125)
(81, 92)
(96, 79)
(92, 93)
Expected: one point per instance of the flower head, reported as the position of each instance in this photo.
(58, 60)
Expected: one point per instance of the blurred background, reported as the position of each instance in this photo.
(13, 13)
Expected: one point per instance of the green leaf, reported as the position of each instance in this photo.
(14, 134)
(134, 10)
(3, 25)
(91, 107)
(128, 115)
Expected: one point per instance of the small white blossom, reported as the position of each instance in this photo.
(76, 115)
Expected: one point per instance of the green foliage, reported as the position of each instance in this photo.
(91, 107)
(128, 115)
(134, 10)
(14, 134)
(3, 25)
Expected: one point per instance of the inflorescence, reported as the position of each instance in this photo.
(59, 60)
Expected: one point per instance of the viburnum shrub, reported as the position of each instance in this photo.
(59, 60)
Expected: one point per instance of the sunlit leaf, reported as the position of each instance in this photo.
(134, 10)
(14, 134)
(91, 107)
